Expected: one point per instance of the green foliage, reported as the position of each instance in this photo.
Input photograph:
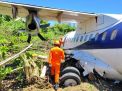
(63, 28)
(12, 41)
(18, 62)
(4, 18)
(4, 72)
(3, 41)
(43, 22)
(56, 31)
(12, 25)
(3, 50)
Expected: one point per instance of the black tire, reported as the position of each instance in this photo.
(73, 79)
(71, 70)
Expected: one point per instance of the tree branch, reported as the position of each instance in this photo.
(15, 56)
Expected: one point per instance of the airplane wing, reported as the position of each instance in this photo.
(9, 8)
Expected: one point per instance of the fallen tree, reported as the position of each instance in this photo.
(30, 68)
(32, 75)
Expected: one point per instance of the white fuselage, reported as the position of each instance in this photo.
(97, 44)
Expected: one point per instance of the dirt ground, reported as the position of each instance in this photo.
(39, 84)
(84, 86)
(81, 87)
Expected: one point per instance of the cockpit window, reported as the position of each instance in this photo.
(113, 35)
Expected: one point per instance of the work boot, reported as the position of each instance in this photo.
(56, 86)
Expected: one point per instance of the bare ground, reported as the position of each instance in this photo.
(84, 86)
(81, 87)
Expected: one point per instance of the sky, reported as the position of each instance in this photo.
(90, 6)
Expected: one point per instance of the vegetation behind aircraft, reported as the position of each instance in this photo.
(13, 39)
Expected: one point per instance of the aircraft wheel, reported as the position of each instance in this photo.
(70, 79)
(70, 69)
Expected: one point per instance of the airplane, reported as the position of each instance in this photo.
(94, 47)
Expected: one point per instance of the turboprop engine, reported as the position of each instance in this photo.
(33, 25)
(32, 22)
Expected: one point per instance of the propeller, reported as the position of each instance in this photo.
(38, 34)
(33, 25)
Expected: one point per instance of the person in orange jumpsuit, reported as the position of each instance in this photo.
(56, 55)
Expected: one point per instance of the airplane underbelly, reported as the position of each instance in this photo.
(112, 57)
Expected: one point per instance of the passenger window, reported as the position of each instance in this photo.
(113, 35)
(96, 36)
(77, 38)
(90, 37)
(81, 38)
(86, 38)
(104, 36)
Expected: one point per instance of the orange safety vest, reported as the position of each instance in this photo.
(55, 56)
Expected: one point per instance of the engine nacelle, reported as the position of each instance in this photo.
(32, 25)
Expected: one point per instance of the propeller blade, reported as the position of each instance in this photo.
(45, 25)
(29, 38)
(41, 37)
